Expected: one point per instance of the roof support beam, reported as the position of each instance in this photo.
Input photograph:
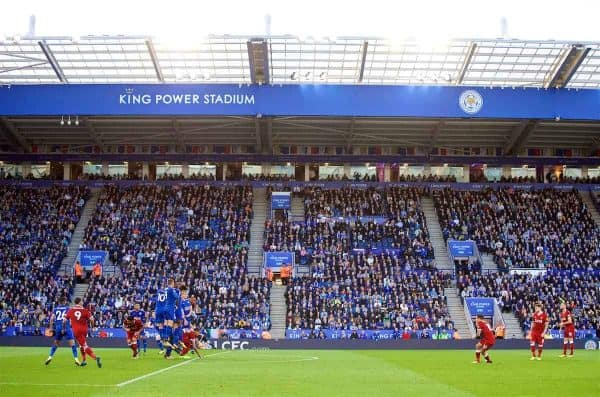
(52, 61)
(595, 146)
(178, 135)
(363, 61)
(258, 60)
(16, 140)
(350, 135)
(269, 135)
(93, 133)
(519, 136)
(257, 132)
(568, 64)
(465, 65)
(155, 62)
(435, 133)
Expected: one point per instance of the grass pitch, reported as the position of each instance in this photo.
(440, 373)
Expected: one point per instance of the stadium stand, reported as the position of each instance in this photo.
(371, 265)
(522, 229)
(152, 232)
(36, 226)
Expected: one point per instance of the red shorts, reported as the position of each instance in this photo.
(537, 339)
(81, 336)
(488, 343)
(569, 332)
(132, 336)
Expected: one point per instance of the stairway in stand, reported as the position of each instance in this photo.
(257, 229)
(297, 214)
(79, 291)
(488, 265)
(587, 200)
(513, 328)
(457, 313)
(278, 311)
(73, 249)
(436, 237)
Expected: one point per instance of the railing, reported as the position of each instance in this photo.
(469, 321)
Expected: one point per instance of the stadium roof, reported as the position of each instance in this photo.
(294, 60)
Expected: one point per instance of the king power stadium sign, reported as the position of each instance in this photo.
(186, 99)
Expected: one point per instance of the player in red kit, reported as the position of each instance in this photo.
(539, 326)
(486, 342)
(568, 326)
(191, 340)
(79, 318)
(133, 327)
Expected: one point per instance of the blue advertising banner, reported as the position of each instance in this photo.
(461, 248)
(298, 100)
(281, 200)
(484, 306)
(384, 334)
(89, 258)
(199, 244)
(278, 259)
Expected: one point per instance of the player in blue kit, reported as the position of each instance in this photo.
(60, 328)
(166, 305)
(138, 314)
(183, 318)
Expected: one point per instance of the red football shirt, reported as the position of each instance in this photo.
(486, 331)
(79, 317)
(564, 316)
(539, 322)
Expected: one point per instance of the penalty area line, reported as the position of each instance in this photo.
(160, 371)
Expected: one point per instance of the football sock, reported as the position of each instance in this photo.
(144, 344)
(160, 344)
(53, 350)
(540, 351)
(168, 332)
(169, 350)
(487, 358)
(82, 353)
(477, 355)
(74, 350)
(572, 347)
(90, 352)
(533, 350)
(564, 348)
(134, 347)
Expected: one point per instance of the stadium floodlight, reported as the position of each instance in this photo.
(69, 121)
(76, 120)
(294, 75)
(308, 75)
(62, 120)
(323, 76)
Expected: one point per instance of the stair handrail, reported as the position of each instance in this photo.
(468, 317)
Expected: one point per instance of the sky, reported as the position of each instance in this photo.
(526, 19)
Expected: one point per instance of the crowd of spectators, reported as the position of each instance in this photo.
(523, 229)
(36, 226)
(371, 263)
(150, 231)
(426, 178)
(518, 293)
(355, 292)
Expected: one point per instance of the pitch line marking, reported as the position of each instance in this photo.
(130, 381)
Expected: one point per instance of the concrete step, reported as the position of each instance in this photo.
(457, 313)
(440, 251)
(73, 249)
(278, 311)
